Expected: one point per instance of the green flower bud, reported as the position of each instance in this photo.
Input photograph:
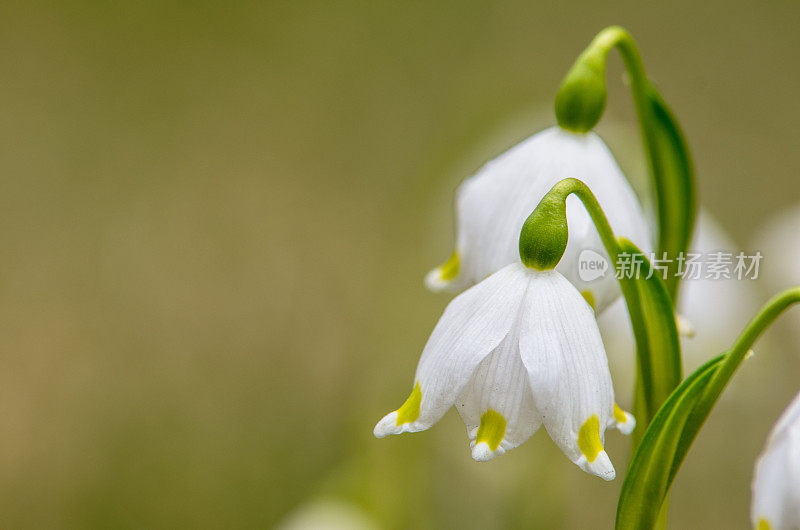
(543, 238)
(582, 97)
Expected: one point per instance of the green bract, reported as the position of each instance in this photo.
(581, 100)
(543, 238)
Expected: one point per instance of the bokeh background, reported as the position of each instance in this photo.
(215, 218)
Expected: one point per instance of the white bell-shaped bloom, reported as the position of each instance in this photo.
(776, 482)
(492, 205)
(518, 350)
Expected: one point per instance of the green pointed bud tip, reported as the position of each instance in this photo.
(582, 97)
(543, 238)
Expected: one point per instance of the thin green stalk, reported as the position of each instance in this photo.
(580, 103)
(651, 393)
(722, 376)
(771, 311)
(617, 37)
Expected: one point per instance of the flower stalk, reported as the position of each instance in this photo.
(579, 106)
(743, 344)
(658, 360)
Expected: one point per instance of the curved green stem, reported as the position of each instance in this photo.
(628, 288)
(654, 384)
(771, 311)
(722, 376)
(570, 186)
(579, 105)
(619, 38)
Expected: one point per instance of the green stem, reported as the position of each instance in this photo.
(629, 290)
(570, 186)
(579, 105)
(722, 376)
(771, 311)
(658, 361)
(617, 37)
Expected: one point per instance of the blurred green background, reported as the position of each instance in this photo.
(215, 219)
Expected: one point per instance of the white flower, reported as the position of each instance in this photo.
(516, 351)
(492, 205)
(776, 482)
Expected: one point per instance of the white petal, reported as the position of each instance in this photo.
(443, 278)
(622, 420)
(776, 480)
(568, 370)
(436, 282)
(474, 324)
(492, 205)
(497, 404)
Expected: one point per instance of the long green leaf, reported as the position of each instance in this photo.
(676, 425)
(673, 176)
(648, 479)
(658, 354)
(723, 375)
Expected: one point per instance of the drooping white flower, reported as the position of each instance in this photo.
(518, 350)
(775, 504)
(492, 205)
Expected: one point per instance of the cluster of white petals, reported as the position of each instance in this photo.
(520, 347)
(516, 351)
